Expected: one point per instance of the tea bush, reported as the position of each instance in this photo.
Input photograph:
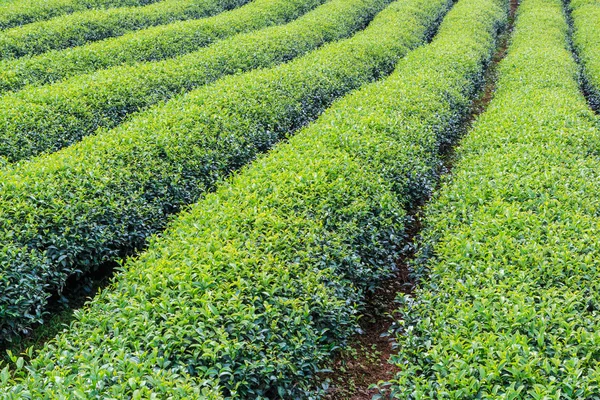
(585, 16)
(48, 118)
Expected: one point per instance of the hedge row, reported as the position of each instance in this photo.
(156, 43)
(252, 290)
(586, 23)
(99, 199)
(42, 119)
(15, 13)
(510, 306)
(92, 25)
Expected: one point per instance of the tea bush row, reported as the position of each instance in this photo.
(21, 12)
(585, 16)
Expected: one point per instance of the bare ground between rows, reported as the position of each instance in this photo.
(363, 365)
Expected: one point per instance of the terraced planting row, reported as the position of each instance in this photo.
(92, 25)
(585, 16)
(508, 305)
(152, 44)
(249, 292)
(104, 196)
(15, 13)
(41, 119)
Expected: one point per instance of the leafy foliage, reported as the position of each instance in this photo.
(509, 307)
(586, 23)
(51, 117)
(97, 200)
(91, 25)
(253, 288)
(151, 44)
(15, 13)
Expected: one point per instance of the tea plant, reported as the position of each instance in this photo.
(151, 44)
(48, 118)
(586, 24)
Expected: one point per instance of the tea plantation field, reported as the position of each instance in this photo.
(241, 177)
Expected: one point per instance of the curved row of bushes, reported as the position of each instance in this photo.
(151, 44)
(509, 309)
(586, 38)
(42, 119)
(104, 196)
(15, 13)
(252, 290)
(92, 25)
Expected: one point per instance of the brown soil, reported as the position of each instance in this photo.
(365, 362)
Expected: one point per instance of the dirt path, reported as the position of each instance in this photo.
(365, 362)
